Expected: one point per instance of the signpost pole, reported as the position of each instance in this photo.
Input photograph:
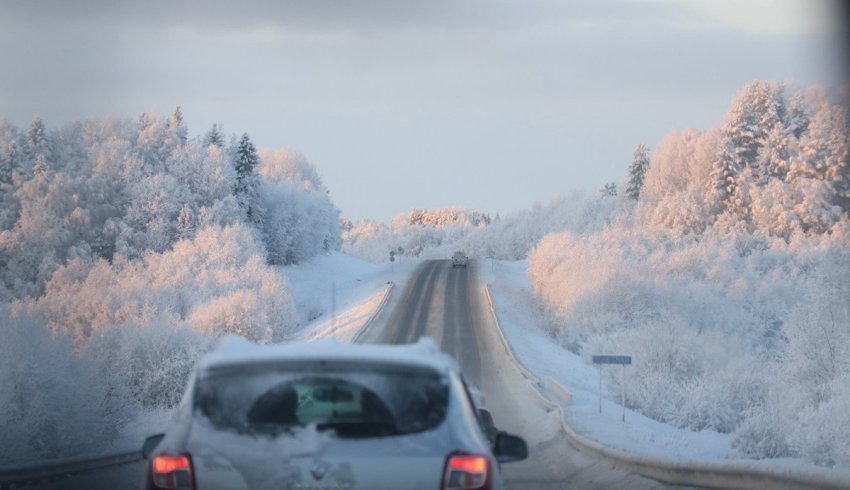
(623, 393)
(600, 389)
(621, 360)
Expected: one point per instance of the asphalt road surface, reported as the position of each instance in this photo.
(448, 305)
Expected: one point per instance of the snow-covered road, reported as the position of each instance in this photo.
(448, 305)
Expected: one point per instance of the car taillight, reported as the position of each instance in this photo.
(467, 471)
(171, 472)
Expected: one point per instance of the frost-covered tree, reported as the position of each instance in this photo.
(608, 190)
(823, 153)
(37, 138)
(9, 154)
(53, 403)
(285, 164)
(758, 108)
(300, 219)
(185, 222)
(214, 137)
(150, 144)
(37, 148)
(775, 156)
(177, 131)
(637, 172)
(39, 166)
(247, 185)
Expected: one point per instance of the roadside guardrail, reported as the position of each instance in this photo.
(21, 477)
(375, 314)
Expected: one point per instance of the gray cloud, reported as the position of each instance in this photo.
(558, 92)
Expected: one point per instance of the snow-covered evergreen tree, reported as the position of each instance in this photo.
(9, 151)
(608, 190)
(177, 131)
(823, 153)
(185, 222)
(637, 172)
(775, 156)
(757, 109)
(247, 180)
(37, 145)
(214, 137)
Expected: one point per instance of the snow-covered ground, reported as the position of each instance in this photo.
(524, 324)
(336, 294)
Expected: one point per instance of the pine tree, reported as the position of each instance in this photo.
(798, 115)
(37, 135)
(824, 154)
(214, 137)
(247, 181)
(9, 163)
(39, 168)
(608, 190)
(756, 111)
(637, 172)
(177, 130)
(37, 145)
(724, 174)
(774, 159)
(185, 222)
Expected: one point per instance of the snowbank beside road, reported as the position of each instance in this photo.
(336, 294)
(525, 327)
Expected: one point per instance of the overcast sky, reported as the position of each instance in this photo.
(486, 104)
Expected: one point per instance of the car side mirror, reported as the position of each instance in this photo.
(509, 448)
(150, 444)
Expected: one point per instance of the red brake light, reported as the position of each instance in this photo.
(171, 472)
(466, 471)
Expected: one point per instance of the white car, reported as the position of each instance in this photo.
(459, 259)
(325, 415)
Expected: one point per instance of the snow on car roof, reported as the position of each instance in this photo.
(236, 350)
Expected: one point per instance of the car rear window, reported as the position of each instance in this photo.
(352, 401)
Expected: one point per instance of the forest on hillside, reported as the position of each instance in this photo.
(126, 248)
(727, 275)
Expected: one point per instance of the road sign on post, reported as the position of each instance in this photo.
(621, 360)
(612, 360)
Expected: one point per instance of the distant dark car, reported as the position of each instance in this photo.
(459, 259)
(329, 415)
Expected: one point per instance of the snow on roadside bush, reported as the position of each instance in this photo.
(216, 283)
(53, 403)
(731, 332)
(807, 410)
(151, 361)
(299, 222)
(728, 279)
